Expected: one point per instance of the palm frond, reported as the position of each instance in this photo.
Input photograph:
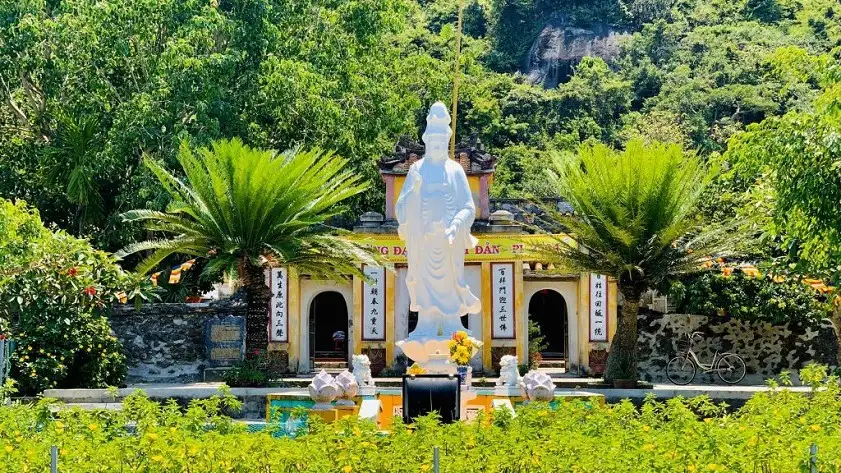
(634, 213)
(236, 203)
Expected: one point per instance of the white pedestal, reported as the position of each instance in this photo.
(507, 391)
(365, 391)
(467, 394)
(439, 363)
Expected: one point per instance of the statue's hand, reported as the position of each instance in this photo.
(451, 234)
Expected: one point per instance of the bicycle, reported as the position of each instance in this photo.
(682, 369)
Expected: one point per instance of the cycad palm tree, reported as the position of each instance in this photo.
(244, 209)
(636, 221)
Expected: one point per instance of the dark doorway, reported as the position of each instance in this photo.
(329, 334)
(549, 310)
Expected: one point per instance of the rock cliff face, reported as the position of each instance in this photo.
(560, 46)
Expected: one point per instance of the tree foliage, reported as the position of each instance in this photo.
(90, 88)
(793, 165)
(55, 290)
(243, 209)
(738, 295)
(635, 221)
(240, 205)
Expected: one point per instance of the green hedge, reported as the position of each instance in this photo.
(771, 433)
(54, 290)
(749, 298)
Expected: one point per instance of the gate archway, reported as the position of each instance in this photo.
(329, 329)
(548, 309)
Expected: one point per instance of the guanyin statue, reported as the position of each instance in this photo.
(435, 211)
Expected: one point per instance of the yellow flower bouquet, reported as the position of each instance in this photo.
(462, 348)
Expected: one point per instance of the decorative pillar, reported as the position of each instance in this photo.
(389, 316)
(483, 209)
(487, 315)
(356, 326)
(520, 313)
(612, 308)
(389, 196)
(294, 304)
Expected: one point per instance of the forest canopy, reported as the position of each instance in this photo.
(91, 88)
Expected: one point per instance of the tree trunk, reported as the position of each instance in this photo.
(835, 318)
(258, 297)
(622, 358)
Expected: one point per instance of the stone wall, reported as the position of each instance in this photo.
(164, 343)
(767, 349)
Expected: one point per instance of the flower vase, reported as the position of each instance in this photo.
(465, 374)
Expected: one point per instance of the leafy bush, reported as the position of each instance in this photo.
(749, 298)
(771, 433)
(256, 370)
(537, 343)
(54, 290)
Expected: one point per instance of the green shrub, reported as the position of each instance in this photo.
(54, 290)
(537, 343)
(749, 298)
(256, 370)
(771, 433)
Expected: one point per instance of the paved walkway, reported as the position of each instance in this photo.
(202, 390)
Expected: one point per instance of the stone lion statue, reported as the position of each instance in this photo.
(508, 372)
(362, 370)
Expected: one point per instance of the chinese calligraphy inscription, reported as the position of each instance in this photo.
(502, 294)
(598, 308)
(373, 304)
(278, 282)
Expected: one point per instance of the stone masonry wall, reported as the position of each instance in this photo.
(767, 349)
(164, 343)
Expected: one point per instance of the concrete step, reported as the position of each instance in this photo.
(553, 363)
(330, 366)
(331, 371)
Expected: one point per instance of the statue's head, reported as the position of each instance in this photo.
(436, 137)
(361, 361)
(508, 361)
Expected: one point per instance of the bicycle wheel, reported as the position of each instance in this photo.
(731, 368)
(681, 370)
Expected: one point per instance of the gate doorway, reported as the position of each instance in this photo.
(329, 334)
(548, 309)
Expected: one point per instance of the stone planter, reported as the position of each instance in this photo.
(624, 383)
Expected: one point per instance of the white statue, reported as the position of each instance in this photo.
(362, 370)
(435, 211)
(537, 386)
(349, 388)
(509, 375)
(323, 390)
(508, 383)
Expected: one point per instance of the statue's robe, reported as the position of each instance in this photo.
(435, 278)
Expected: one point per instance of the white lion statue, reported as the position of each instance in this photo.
(508, 373)
(362, 370)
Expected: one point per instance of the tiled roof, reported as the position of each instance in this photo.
(471, 155)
